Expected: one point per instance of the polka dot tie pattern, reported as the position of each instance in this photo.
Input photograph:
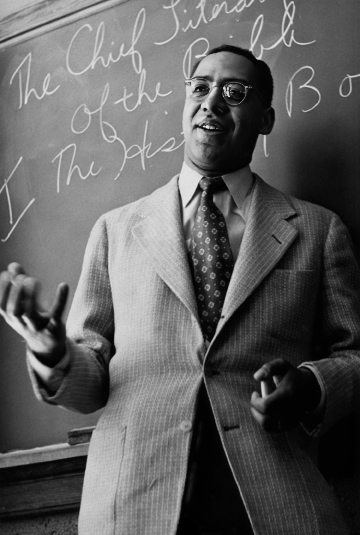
(211, 256)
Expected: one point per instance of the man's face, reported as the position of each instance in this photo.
(220, 138)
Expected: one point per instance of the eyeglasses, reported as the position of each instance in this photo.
(234, 93)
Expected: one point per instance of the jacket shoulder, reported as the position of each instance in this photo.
(310, 209)
(303, 208)
(130, 213)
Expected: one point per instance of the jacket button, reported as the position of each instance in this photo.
(186, 426)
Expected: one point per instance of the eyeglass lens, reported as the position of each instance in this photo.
(233, 92)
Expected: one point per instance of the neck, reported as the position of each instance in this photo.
(213, 171)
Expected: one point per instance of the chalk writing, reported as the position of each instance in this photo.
(188, 60)
(122, 154)
(81, 121)
(209, 13)
(206, 14)
(171, 6)
(72, 167)
(5, 187)
(93, 46)
(25, 91)
(144, 150)
(141, 94)
(347, 81)
(98, 56)
(287, 37)
(107, 59)
(289, 90)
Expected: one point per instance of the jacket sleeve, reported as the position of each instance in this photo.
(339, 320)
(90, 330)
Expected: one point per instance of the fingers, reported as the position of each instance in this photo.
(5, 286)
(272, 369)
(11, 294)
(272, 421)
(6, 279)
(278, 408)
(15, 299)
(59, 304)
(276, 404)
(15, 269)
(30, 292)
(283, 399)
(267, 386)
(11, 299)
(264, 406)
(17, 294)
(19, 299)
(43, 331)
(34, 319)
(267, 422)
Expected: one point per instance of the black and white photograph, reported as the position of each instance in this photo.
(179, 267)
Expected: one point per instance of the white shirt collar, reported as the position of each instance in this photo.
(238, 183)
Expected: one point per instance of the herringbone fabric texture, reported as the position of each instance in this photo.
(211, 257)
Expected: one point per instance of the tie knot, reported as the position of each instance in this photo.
(212, 185)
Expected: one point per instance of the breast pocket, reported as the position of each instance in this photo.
(289, 304)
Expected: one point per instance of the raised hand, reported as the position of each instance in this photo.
(287, 393)
(43, 331)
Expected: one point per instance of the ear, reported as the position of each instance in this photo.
(268, 121)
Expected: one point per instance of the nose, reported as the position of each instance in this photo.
(214, 102)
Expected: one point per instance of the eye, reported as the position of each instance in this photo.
(200, 88)
(235, 91)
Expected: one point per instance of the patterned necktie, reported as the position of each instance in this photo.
(211, 257)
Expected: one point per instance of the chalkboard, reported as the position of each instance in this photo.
(90, 109)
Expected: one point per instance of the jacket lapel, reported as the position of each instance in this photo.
(267, 237)
(161, 235)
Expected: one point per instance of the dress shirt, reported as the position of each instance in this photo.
(234, 202)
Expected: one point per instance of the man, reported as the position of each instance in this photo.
(190, 301)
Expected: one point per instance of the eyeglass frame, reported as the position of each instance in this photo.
(246, 86)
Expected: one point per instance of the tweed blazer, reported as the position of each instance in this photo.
(137, 350)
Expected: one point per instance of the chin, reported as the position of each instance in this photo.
(209, 157)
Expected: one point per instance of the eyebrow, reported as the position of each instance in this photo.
(224, 80)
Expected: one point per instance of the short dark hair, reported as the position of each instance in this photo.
(266, 80)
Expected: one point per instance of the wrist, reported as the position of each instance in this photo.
(52, 358)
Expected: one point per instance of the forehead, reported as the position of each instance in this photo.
(227, 65)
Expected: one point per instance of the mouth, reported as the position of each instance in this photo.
(210, 126)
